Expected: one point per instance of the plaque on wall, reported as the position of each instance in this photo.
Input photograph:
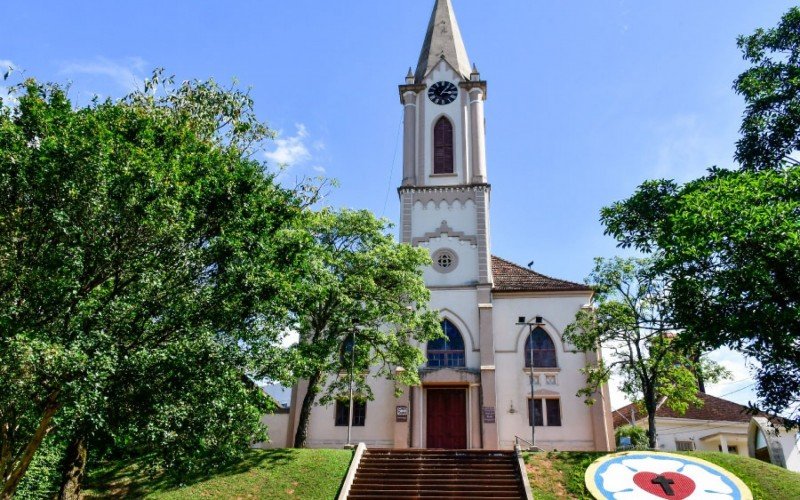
(488, 414)
(401, 414)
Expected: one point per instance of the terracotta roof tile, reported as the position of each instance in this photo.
(713, 409)
(509, 277)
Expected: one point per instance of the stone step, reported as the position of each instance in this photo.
(386, 473)
(511, 481)
(405, 494)
(440, 465)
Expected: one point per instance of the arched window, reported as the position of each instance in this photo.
(350, 351)
(447, 351)
(346, 352)
(540, 349)
(443, 147)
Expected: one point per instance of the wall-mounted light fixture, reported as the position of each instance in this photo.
(511, 409)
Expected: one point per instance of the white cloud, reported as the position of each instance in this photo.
(688, 148)
(128, 73)
(290, 151)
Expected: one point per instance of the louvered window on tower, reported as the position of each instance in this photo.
(443, 147)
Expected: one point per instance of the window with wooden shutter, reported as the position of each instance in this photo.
(443, 147)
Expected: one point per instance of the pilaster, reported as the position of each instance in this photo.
(488, 411)
(402, 419)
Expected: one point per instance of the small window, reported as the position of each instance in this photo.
(359, 413)
(540, 350)
(447, 352)
(731, 449)
(546, 411)
(684, 445)
(443, 147)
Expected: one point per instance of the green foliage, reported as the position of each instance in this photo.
(632, 321)
(44, 476)
(143, 253)
(729, 242)
(771, 89)
(366, 289)
(637, 434)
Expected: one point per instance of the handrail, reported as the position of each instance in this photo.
(344, 492)
(531, 446)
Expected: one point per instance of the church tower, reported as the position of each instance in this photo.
(445, 206)
(445, 192)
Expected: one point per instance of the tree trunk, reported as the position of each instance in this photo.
(6, 460)
(651, 429)
(18, 472)
(305, 411)
(650, 404)
(74, 469)
(698, 373)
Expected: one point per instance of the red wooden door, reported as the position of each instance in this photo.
(447, 418)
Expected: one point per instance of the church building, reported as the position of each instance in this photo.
(501, 320)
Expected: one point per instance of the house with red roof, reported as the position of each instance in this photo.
(718, 425)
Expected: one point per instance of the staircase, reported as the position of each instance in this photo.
(409, 474)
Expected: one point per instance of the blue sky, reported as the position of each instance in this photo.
(586, 99)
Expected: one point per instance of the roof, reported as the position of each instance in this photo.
(714, 408)
(442, 41)
(510, 277)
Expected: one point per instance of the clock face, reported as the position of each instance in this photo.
(442, 93)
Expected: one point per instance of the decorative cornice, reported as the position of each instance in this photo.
(444, 229)
(447, 193)
(415, 88)
(471, 84)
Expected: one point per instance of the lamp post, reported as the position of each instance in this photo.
(538, 321)
(350, 407)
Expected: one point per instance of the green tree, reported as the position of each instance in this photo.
(364, 290)
(730, 244)
(771, 89)
(631, 322)
(730, 241)
(142, 249)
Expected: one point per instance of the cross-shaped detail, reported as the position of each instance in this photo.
(665, 483)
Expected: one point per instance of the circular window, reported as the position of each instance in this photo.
(444, 260)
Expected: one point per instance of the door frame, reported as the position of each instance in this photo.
(467, 412)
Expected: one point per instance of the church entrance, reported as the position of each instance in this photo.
(447, 418)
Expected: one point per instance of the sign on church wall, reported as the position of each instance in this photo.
(401, 414)
(488, 414)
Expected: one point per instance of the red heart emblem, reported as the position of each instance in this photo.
(671, 485)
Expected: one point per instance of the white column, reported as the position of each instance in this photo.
(723, 442)
(478, 128)
(409, 138)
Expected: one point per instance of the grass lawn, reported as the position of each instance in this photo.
(273, 474)
(557, 475)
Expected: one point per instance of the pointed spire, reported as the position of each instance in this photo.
(475, 76)
(443, 41)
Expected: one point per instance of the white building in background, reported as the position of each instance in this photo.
(719, 425)
(475, 390)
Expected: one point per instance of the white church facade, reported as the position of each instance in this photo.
(499, 318)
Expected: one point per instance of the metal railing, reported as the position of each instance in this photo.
(531, 446)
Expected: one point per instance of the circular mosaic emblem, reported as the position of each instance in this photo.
(638, 475)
